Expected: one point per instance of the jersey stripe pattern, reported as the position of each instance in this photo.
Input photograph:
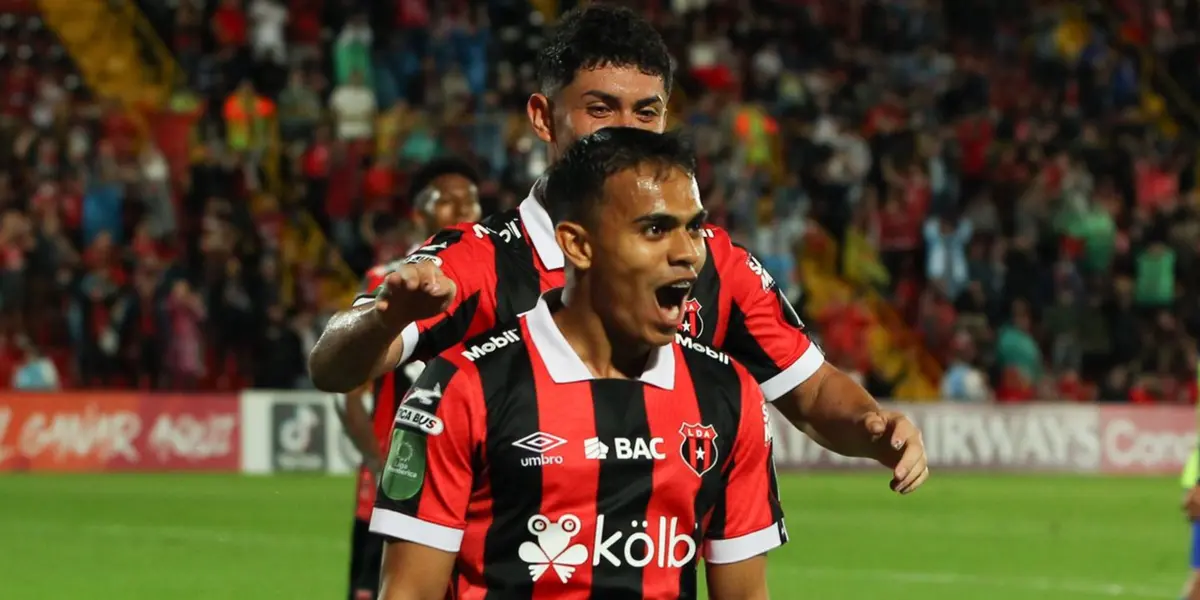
(579, 488)
(736, 306)
(504, 280)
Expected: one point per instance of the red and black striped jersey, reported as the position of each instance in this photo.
(504, 263)
(547, 482)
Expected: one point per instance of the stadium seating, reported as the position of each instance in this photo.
(153, 82)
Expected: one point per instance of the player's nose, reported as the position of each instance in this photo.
(685, 250)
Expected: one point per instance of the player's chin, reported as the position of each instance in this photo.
(659, 334)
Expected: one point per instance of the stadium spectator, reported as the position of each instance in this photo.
(867, 120)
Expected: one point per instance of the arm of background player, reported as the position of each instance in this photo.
(747, 520)
(356, 420)
(743, 580)
(428, 480)
(769, 339)
(354, 348)
(412, 571)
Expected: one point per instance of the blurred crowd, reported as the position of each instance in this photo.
(993, 168)
(1033, 211)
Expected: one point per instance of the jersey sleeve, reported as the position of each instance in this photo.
(763, 333)
(428, 477)
(467, 257)
(748, 519)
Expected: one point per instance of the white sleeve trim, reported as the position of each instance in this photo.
(411, 336)
(796, 374)
(403, 527)
(720, 552)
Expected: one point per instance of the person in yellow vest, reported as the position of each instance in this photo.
(1191, 506)
(755, 128)
(247, 119)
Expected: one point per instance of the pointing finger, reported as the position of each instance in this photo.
(912, 466)
(918, 482)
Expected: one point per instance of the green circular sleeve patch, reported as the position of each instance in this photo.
(405, 469)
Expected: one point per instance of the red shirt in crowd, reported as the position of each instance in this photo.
(1154, 185)
(229, 23)
(379, 184)
(344, 185)
(304, 21)
(1015, 387)
(316, 161)
(899, 229)
(883, 117)
(975, 137)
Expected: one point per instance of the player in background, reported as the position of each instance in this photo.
(605, 66)
(589, 456)
(1191, 508)
(444, 192)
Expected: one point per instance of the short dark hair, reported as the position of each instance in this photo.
(430, 171)
(575, 183)
(601, 35)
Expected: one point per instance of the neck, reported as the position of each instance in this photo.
(606, 353)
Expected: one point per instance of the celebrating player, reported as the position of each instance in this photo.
(606, 67)
(443, 192)
(579, 452)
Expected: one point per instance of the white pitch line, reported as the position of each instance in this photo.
(1038, 584)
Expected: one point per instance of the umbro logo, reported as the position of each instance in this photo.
(540, 443)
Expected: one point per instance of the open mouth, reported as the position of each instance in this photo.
(671, 298)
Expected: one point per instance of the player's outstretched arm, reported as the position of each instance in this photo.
(412, 571)
(839, 414)
(365, 341)
(742, 580)
(816, 397)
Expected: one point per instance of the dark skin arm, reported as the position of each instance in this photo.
(357, 422)
(354, 348)
(415, 572)
(743, 580)
(840, 415)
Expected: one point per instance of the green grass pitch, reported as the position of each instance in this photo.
(183, 537)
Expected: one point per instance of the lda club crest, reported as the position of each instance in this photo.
(693, 323)
(698, 448)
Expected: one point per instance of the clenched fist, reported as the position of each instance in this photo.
(413, 292)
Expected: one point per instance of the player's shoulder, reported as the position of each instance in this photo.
(733, 259)
(491, 351)
(707, 360)
(717, 240)
(712, 368)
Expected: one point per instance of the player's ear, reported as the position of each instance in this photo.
(573, 239)
(541, 116)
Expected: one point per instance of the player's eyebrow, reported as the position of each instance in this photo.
(670, 221)
(613, 100)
